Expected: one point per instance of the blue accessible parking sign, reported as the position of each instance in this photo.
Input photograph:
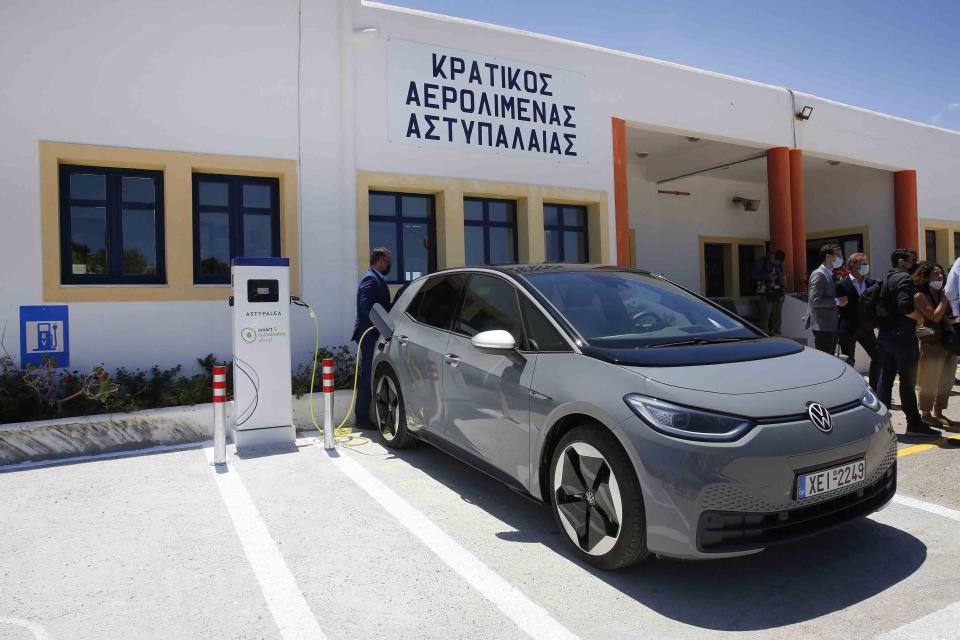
(44, 333)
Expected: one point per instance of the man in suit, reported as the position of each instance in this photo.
(373, 289)
(823, 301)
(768, 276)
(850, 329)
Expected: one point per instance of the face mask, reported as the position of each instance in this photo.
(936, 285)
(864, 269)
(837, 263)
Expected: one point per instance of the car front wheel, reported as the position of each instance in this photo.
(596, 498)
(390, 411)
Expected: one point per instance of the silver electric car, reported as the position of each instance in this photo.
(649, 419)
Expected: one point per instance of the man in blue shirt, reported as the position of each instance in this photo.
(373, 289)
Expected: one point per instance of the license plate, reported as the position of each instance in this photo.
(827, 480)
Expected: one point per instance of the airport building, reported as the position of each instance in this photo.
(145, 144)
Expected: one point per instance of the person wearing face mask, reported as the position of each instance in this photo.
(823, 300)
(899, 326)
(373, 289)
(850, 329)
(938, 365)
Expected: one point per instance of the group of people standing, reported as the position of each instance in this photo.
(904, 322)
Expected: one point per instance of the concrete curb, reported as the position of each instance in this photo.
(87, 435)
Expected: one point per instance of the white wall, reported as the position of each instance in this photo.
(630, 87)
(221, 76)
(847, 196)
(216, 76)
(885, 142)
(668, 227)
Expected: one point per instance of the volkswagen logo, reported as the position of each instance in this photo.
(819, 416)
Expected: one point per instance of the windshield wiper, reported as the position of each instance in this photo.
(700, 341)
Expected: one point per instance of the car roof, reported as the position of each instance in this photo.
(546, 267)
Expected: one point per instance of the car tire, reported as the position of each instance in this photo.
(390, 411)
(596, 499)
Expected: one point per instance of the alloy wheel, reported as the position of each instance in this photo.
(588, 498)
(388, 407)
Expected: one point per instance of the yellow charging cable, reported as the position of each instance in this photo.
(343, 434)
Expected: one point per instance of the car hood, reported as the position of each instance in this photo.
(804, 368)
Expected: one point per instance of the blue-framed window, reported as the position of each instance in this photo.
(111, 226)
(405, 224)
(565, 233)
(489, 231)
(233, 216)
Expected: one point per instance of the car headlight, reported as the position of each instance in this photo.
(870, 400)
(685, 422)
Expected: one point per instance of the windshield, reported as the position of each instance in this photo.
(623, 310)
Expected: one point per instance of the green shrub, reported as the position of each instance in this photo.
(47, 391)
(343, 365)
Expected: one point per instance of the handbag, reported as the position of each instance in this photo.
(951, 340)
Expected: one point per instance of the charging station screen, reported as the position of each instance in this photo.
(263, 291)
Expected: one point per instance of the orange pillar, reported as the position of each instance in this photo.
(620, 203)
(798, 224)
(905, 209)
(778, 188)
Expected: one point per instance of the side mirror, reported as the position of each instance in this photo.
(495, 340)
(380, 318)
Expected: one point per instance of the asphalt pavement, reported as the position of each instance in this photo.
(371, 543)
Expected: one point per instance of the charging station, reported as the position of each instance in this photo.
(262, 391)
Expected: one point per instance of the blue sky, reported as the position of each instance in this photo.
(901, 58)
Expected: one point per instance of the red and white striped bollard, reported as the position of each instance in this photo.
(329, 442)
(219, 415)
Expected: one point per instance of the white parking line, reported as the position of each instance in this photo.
(939, 625)
(285, 600)
(529, 616)
(946, 512)
(32, 627)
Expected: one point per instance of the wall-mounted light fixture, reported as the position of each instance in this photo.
(693, 139)
(643, 154)
(833, 163)
(747, 203)
(805, 113)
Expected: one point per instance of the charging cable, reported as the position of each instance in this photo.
(343, 434)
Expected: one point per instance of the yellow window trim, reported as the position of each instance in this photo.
(178, 169)
(731, 263)
(944, 230)
(449, 194)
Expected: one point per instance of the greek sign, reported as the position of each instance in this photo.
(447, 97)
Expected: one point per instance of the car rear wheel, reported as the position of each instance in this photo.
(596, 498)
(391, 416)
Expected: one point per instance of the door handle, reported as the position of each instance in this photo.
(402, 340)
(452, 359)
